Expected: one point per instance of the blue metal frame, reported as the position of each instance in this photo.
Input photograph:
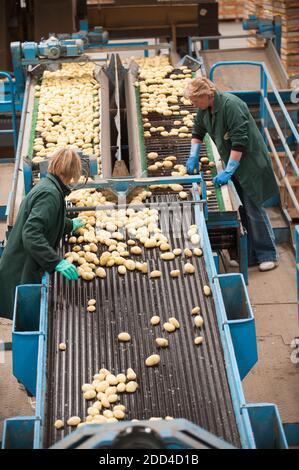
(176, 434)
(297, 264)
(10, 105)
(225, 324)
(267, 29)
(240, 320)
(4, 209)
(265, 107)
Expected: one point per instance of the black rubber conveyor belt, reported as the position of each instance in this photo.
(190, 381)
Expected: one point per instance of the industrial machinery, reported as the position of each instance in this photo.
(55, 311)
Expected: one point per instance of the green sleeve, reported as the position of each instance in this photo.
(237, 120)
(199, 130)
(68, 226)
(42, 216)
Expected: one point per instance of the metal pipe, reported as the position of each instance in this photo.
(281, 169)
(277, 95)
(282, 138)
(18, 157)
(234, 36)
(131, 206)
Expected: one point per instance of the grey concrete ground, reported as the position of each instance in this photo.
(275, 378)
(13, 400)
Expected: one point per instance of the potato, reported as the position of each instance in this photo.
(100, 272)
(136, 250)
(89, 394)
(155, 274)
(189, 268)
(131, 387)
(130, 264)
(62, 346)
(207, 290)
(198, 321)
(155, 320)
(131, 374)
(164, 247)
(119, 414)
(92, 411)
(152, 360)
(162, 342)
(169, 327)
(195, 310)
(86, 387)
(121, 378)
(198, 340)
(183, 195)
(197, 251)
(175, 273)
(73, 421)
(59, 424)
(188, 252)
(124, 336)
(174, 322)
(152, 155)
(121, 270)
(111, 379)
(167, 256)
(119, 407)
(195, 239)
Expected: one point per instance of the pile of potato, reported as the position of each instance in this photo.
(104, 389)
(68, 111)
(162, 92)
(121, 232)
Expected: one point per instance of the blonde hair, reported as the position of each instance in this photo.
(66, 164)
(198, 87)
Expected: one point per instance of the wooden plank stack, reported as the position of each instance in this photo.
(231, 9)
(289, 12)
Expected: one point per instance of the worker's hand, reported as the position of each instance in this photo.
(67, 269)
(224, 176)
(77, 223)
(193, 160)
(192, 164)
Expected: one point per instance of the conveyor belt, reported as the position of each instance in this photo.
(179, 147)
(189, 382)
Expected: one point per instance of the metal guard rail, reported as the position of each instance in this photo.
(266, 111)
(11, 102)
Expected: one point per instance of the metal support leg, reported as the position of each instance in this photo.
(243, 253)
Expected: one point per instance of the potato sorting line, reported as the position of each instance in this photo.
(167, 119)
(189, 382)
(138, 279)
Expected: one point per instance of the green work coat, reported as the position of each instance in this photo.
(232, 127)
(32, 243)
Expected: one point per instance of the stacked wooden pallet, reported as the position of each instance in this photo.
(231, 9)
(288, 10)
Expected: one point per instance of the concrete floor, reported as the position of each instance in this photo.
(275, 379)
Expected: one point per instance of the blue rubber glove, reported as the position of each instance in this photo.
(224, 177)
(193, 160)
(77, 223)
(67, 269)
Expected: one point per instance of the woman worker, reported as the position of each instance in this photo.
(228, 121)
(39, 227)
